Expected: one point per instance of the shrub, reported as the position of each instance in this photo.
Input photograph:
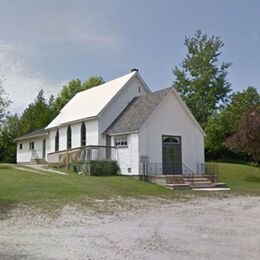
(95, 168)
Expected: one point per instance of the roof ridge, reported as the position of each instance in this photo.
(137, 112)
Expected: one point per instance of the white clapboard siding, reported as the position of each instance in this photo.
(170, 118)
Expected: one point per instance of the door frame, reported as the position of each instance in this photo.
(178, 136)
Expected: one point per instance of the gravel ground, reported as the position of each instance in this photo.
(202, 228)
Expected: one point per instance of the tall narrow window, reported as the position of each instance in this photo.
(57, 139)
(69, 137)
(83, 134)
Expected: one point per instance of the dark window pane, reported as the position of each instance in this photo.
(57, 141)
(69, 137)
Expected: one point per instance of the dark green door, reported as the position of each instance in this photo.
(171, 152)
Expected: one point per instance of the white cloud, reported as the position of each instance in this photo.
(37, 44)
(21, 83)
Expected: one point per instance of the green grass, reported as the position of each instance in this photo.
(242, 179)
(29, 188)
(48, 190)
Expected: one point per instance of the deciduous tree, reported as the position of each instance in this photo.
(246, 140)
(201, 79)
(224, 123)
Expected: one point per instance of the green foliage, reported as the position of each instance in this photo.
(241, 102)
(38, 114)
(104, 168)
(96, 168)
(11, 130)
(201, 80)
(73, 87)
(225, 122)
(246, 139)
(4, 101)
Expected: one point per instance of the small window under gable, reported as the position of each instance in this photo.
(21, 146)
(139, 89)
(121, 141)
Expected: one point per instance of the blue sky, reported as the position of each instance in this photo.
(45, 43)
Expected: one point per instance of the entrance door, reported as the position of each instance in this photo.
(171, 152)
(43, 148)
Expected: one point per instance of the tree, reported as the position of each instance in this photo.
(73, 87)
(38, 114)
(10, 130)
(4, 101)
(201, 80)
(224, 123)
(246, 140)
(240, 103)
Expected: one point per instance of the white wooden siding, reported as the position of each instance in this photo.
(123, 98)
(24, 155)
(169, 118)
(128, 157)
(91, 135)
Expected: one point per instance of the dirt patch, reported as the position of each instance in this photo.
(203, 228)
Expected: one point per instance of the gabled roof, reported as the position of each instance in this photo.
(137, 112)
(89, 103)
(35, 133)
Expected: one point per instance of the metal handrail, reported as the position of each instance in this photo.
(152, 168)
(211, 170)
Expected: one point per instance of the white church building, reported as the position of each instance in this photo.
(120, 120)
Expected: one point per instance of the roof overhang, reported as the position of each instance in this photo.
(22, 138)
(123, 133)
(73, 122)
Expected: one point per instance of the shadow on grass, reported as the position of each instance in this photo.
(5, 167)
(253, 179)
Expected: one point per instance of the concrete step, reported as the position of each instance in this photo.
(211, 189)
(203, 185)
(206, 180)
(178, 186)
(38, 161)
(196, 178)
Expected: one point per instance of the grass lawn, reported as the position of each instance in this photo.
(29, 188)
(242, 179)
(51, 189)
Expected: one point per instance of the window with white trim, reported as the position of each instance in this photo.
(121, 141)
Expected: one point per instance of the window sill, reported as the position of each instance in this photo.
(124, 146)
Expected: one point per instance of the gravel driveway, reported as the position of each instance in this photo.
(203, 228)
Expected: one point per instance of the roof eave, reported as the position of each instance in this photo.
(122, 133)
(29, 137)
(73, 122)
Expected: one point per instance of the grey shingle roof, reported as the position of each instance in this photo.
(137, 112)
(35, 133)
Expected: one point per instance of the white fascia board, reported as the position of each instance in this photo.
(73, 122)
